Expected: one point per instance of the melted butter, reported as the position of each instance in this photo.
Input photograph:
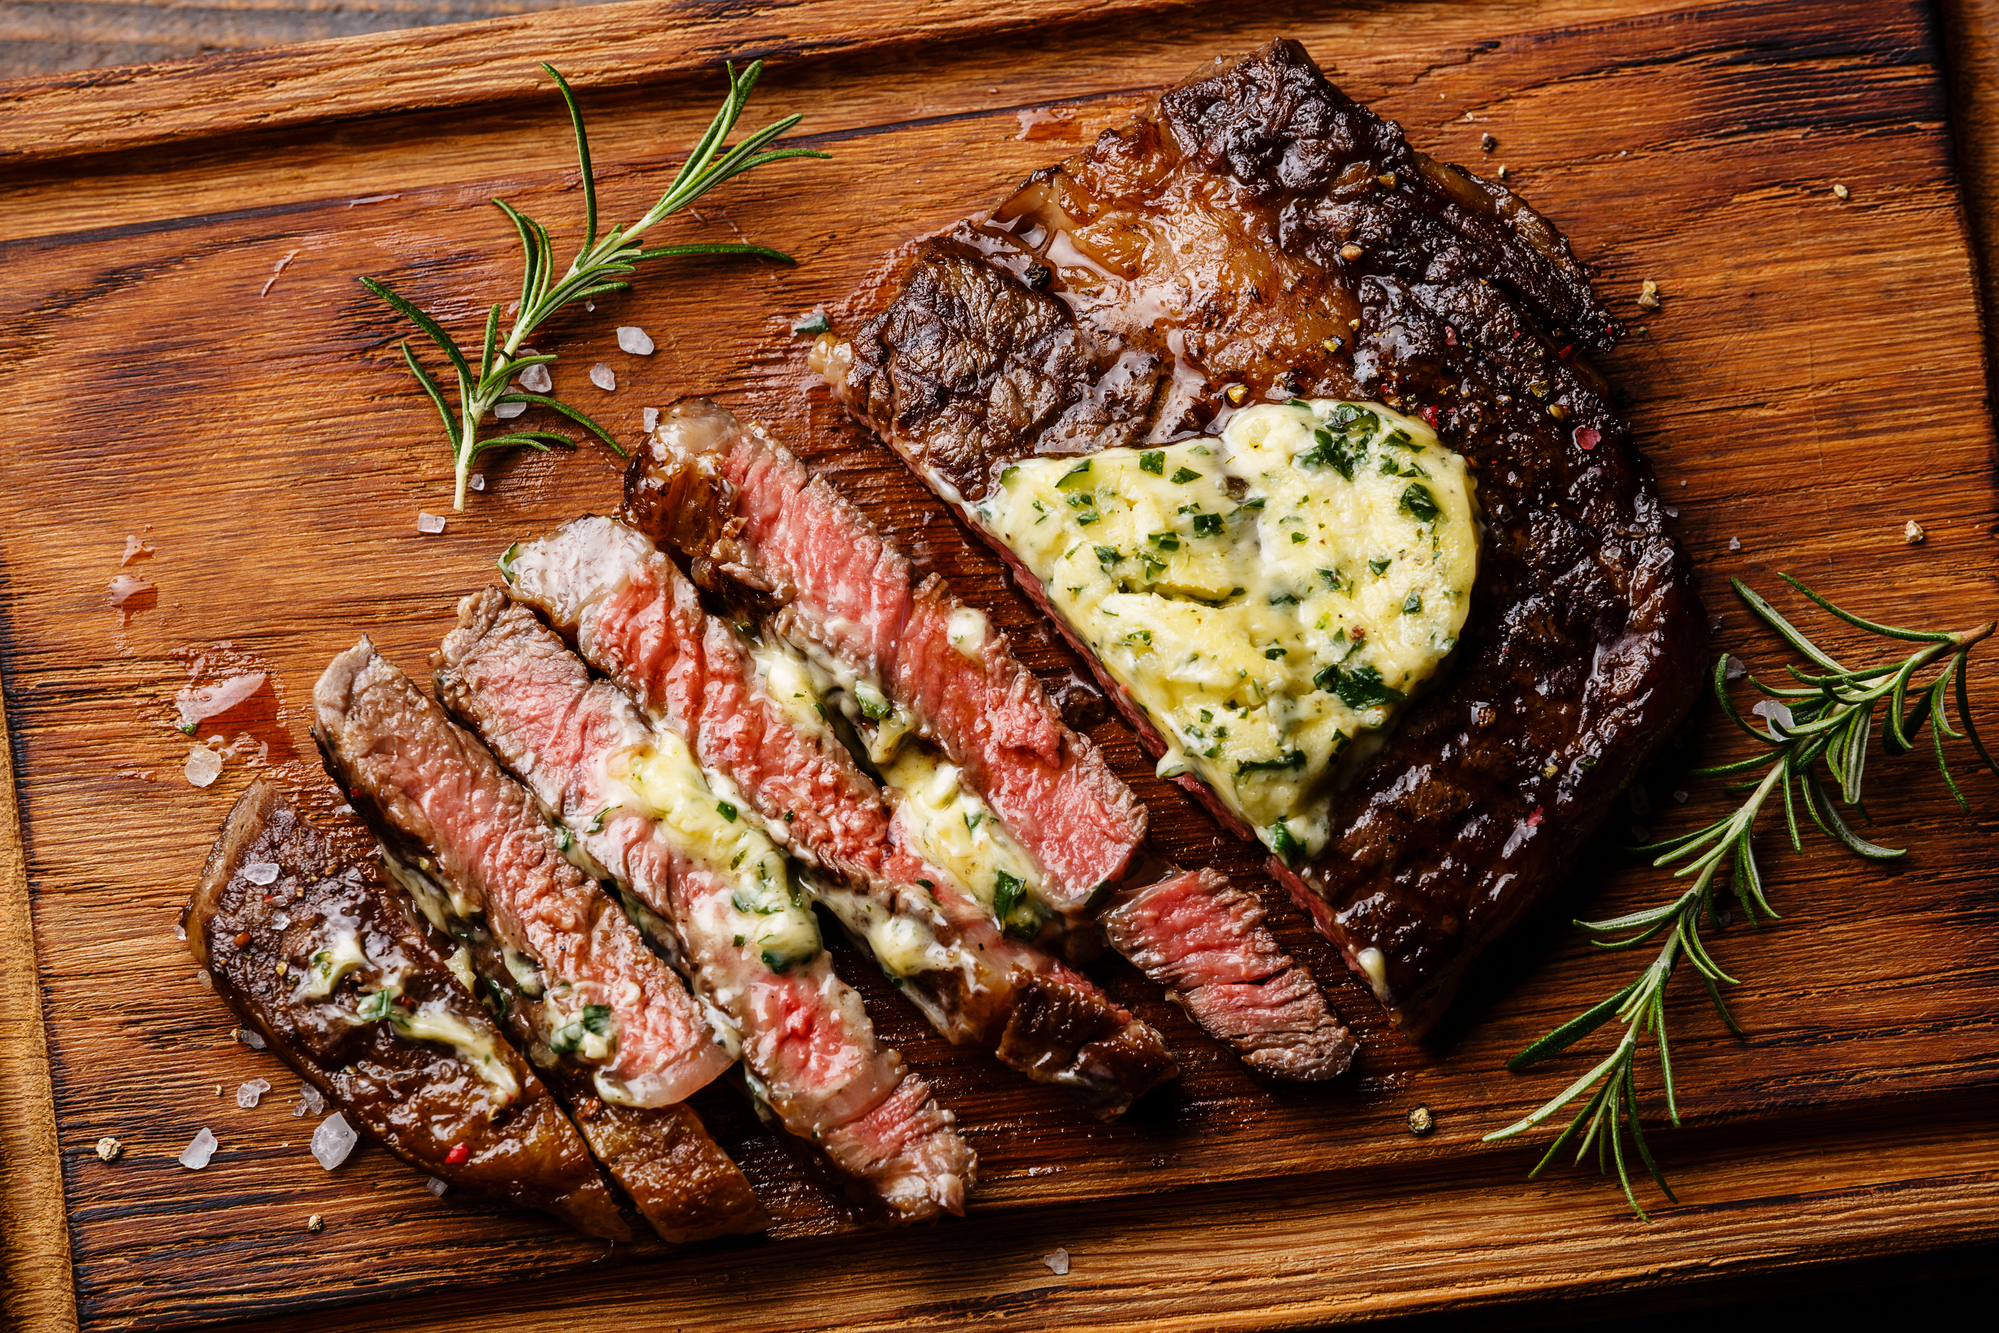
(333, 962)
(762, 912)
(1267, 597)
(436, 1023)
(953, 829)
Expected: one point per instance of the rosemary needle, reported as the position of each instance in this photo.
(600, 266)
(1814, 738)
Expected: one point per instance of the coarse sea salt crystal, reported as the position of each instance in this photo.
(508, 411)
(196, 1155)
(1777, 714)
(536, 379)
(1735, 543)
(198, 704)
(250, 1093)
(651, 419)
(207, 982)
(203, 766)
(1736, 668)
(633, 339)
(429, 523)
(604, 377)
(436, 1186)
(477, 481)
(261, 872)
(125, 587)
(333, 1140)
(252, 1038)
(1058, 1262)
(311, 1101)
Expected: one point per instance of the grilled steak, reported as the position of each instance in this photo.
(775, 529)
(611, 1026)
(1256, 234)
(1205, 941)
(751, 714)
(351, 991)
(714, 887)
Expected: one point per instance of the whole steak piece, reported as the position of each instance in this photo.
(1255, 235)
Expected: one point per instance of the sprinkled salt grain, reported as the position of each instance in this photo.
(195, 1156)
(535, 379)
(203, 766)
(1735, 543)
(1680, 796)
(633, 339)
(333, 1140)
(207, 982)
(250, 1093)
(429, 523)
(315, 1224)
(651, 418)
(477, 481)
(1672, 512)
(280, 920)
(109, 1149)
(1778, 715)
(1912, 532)
(603, 377)
(261, 872)
(212, 700)
(252, 1038)
(436, 1186)
(1058, 1262)
(508, 411)
(311, 1101)
(1736, 668)
(180, 932)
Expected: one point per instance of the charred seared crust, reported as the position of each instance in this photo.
(1059, 1033)
(1345, 264)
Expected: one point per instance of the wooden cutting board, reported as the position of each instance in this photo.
(190, 360)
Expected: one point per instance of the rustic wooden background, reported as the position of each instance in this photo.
(1815, 378)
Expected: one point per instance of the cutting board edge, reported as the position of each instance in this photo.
(39, 1281)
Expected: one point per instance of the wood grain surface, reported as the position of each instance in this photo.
(1815, 378)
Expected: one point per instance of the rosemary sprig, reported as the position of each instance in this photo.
(1815, 738)
(599, 266)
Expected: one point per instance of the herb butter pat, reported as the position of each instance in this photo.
(1266, 597)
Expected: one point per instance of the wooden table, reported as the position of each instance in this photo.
(1272, 1246)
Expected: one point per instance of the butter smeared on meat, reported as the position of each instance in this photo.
(1267, 597)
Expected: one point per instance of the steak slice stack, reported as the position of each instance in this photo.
(1255, 234)
(324, 961)
(638, 805)
(637, 619)
(746, 513)
(613, 1028)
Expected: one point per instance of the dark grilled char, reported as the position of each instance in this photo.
(439, 801)
(638, 620)
(1314, 252)
(419, 1099)
(1205, 940)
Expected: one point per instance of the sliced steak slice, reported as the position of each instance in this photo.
(1205, 940)
(350, 990)
(795, 541)
(749, 713)
(714, 887)
(1256, 234)
(611, 1025)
